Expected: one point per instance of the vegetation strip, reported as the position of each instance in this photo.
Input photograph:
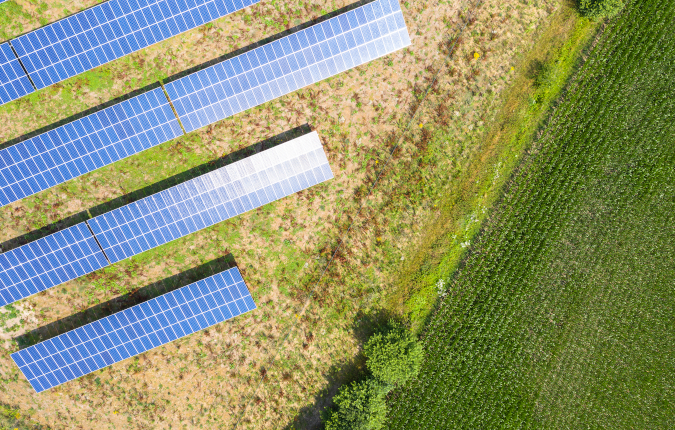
(544, 72)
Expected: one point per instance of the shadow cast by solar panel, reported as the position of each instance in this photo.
(126, 301)
(79, 115)
(267, 40)
(157, 187)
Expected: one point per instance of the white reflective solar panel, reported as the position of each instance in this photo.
(109, 31)
(47, 262)
(135, 330)
(300, 59)
(86, 144)
(13, 80)
(216, 196)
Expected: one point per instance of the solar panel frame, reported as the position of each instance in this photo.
(211, 198)
(133, 331)
(86, 144)
(48, 262)
(109, 31)
(14, 82)
(287, 64)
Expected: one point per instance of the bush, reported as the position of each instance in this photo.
(359, 406)
(393, 356)
(600, 9)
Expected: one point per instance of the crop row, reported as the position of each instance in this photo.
(481, 347)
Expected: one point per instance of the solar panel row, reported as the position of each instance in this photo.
(48, 262)
(86, 144)
(162, 217)
(109, 31)
(135, 330)
(13, 80)
(300, 59)
(222, 90)
(212, 198)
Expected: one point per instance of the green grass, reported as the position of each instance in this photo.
(477, 182)
(561, 316)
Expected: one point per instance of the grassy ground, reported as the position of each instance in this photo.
(208, 380)
(561, 315)
(477, 181)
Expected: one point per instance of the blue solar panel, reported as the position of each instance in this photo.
(283, 66)
(135, 330)
(13, 80)
(211, 198)
(109, 31)
(86, 144)
(48, 262)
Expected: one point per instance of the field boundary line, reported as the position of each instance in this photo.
(344, 236)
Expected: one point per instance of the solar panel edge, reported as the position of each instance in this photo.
(161, 227)
(130, 32)
(249, 96)
(19, 357)
(5, 197)
(17, 87)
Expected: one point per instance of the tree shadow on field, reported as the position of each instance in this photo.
(156, 187)
(364, 325)
(126, 301)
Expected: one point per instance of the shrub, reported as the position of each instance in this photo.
(600, 9)
(359, 406)
(394, 356)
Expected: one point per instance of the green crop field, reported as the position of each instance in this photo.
(562, 315)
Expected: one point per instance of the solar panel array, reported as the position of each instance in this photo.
(283, 66)
(48, 262)
(162, 217)
(86, 144)
(213, 197)
(135, 330)
(13, 80)
(109, 31)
